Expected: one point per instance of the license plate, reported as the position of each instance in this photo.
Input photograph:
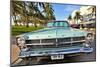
(54, 57)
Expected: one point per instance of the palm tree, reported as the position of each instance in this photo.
(49, 12)
(31, 12)
(34, 13)
(16, 9)
(25, 13)
(41, 16)
(77, 16)
(70, 18)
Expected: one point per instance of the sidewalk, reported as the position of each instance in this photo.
(14, 53)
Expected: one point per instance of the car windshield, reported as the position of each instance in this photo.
(58, 24)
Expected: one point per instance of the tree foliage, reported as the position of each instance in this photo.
(31, 12)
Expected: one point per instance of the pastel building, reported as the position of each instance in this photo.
(88, 14)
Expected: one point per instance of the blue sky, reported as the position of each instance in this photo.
(62, 11)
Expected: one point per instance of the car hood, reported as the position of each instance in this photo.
(48, 33)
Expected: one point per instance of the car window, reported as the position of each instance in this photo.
(58, 24)
(63, 24)
(50, 24)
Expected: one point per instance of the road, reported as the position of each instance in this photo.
(46, 60)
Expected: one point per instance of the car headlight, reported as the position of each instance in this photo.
(20, 40)
(89, 36)
(21, 43)
(88, 40)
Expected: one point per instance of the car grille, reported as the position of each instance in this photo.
(78, 38)
(48, 41)
(32, 41)
(56, 42)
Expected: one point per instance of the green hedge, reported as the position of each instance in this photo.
(16, 30)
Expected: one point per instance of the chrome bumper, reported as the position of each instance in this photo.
(54, 51)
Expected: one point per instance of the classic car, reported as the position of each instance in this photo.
(77, 26)
(56, 40)
(89, 25)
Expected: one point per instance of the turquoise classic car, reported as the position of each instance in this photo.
(57, 39)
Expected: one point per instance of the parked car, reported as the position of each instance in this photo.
(89, 25)
(55, 41)
(77, 26)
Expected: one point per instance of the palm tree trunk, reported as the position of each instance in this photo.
(27, 24)
(15, 21)
(35, 23)
(25, 14)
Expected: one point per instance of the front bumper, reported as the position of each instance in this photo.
(53, 51)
